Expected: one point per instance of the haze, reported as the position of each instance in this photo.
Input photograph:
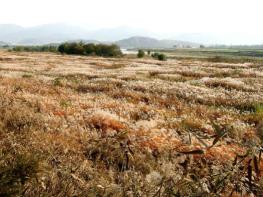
(237, 19)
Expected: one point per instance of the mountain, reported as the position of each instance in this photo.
(147, 42)
(3, 43)
(54, 33)
(88, 41)
(43, 34)
(124, 36)
(7, 29)
(117, 33)
(59, 32)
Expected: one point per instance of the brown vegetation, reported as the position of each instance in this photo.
(90, 126)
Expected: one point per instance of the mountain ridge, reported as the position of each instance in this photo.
(148, 42)
(57, 33)
(60, 32)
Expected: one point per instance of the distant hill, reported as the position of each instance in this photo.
(3, 43)
(87, 41)
(7, 29)
(44, 34)
(55, 33)
(117, 33)
(144, 42)
(125, 37)
(147, 42)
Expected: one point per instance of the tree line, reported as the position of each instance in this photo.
(44, 48)
(75, 48)
(90, 49)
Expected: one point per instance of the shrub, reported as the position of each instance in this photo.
(16, 171)
(90, 49)
(62, 48)
(107, 50)
(149, 52)
(159, 56)
(72, 48)
(140, 54)
(162, 57)
(155, 55)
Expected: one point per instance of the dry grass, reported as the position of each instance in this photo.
(88, 126)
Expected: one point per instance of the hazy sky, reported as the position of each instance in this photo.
(153, 15)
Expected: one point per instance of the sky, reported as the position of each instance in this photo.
(154, 15)
(159, 16)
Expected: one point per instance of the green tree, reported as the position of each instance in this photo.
(90, 49)
(162, 57)
(159, 56)
(149, 52)
(140, 54)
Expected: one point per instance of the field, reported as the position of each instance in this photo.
(89, 126)
(230, 55)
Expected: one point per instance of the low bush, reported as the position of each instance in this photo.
(149, 52)
(159, 56)
(15, 171)
(162, 57)
(140, 54)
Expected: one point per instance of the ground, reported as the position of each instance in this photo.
(89, 126)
